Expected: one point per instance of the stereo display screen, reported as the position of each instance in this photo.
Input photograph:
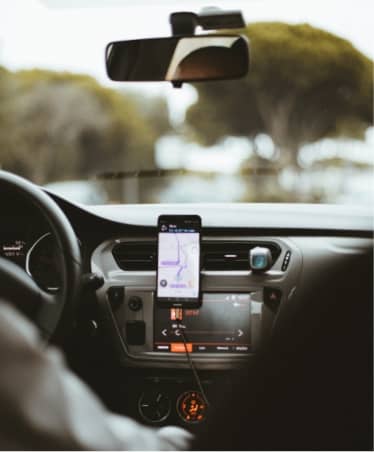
(220, 325)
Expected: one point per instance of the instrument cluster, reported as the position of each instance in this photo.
(35, 252)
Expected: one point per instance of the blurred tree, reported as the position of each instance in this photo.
(57, 126)
(304, 83)
(154, 109)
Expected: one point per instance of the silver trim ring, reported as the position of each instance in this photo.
(27, 263)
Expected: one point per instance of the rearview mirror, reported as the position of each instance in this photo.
(178, 59)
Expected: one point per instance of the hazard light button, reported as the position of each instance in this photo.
(272, 298)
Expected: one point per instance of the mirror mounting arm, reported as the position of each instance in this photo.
(184, 23)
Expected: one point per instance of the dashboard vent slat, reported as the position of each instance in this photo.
(135, 256)
(225, 256)
(232, 255)
(216, 255)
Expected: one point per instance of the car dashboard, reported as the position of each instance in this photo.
(147, 373)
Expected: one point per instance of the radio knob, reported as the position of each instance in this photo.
(260, 259)
(135, 303)
(192, 407)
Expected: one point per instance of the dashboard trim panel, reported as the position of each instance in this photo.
(142, 283)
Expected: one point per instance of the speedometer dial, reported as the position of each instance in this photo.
(42, 263)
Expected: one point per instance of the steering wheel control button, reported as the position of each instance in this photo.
(272, 298)
(191, 407)
(154, 406)
(135, 303)
(260, 259)
(116, 295)
(135, 332)
(286, 260)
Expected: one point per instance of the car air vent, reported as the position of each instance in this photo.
(135, 256)
(232, 255)
(216, 255)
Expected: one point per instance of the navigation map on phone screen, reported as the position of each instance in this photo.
(178, 274)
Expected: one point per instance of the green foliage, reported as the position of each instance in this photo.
(304, 84)
(58, 125)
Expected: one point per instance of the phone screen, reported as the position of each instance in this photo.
(178, 260)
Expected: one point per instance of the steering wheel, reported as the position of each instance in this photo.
(17, 287)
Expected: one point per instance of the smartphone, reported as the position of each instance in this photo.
(179, 261)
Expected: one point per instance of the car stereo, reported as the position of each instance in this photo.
(238, 305)
(220, 325)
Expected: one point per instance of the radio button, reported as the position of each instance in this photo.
(240, 348)
(222, 348)
(135, 303)
(180, 347)
(162, 348)
(272, 298)
(135, 332)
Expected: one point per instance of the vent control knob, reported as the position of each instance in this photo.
(154, 406)
(260, 259)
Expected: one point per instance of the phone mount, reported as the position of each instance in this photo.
(184, 23)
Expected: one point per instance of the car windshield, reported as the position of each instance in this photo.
(297, 128)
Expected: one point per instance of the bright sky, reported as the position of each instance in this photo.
(74, 38)
(72, 34)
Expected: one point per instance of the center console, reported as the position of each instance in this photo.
(237, 312)
(239, 307)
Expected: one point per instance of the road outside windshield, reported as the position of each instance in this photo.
(297, 128)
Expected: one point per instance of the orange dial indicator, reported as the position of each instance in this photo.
(191, 407)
